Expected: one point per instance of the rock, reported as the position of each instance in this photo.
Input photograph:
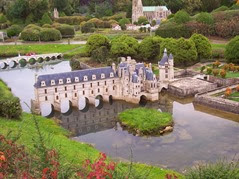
(168, 129)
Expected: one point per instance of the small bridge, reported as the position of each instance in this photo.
(22, 61)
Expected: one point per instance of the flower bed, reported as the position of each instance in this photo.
(146, 121)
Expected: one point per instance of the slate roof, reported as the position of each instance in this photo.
(135, 78)
(72, 75)
(149, 75)
(164, 59)
(154, 8)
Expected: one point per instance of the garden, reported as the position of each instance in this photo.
(232, 94)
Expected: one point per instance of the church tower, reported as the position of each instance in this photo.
(137, 10)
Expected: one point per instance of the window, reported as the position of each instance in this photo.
(102, 75)
(98, 83)
(92, 92)
(75, 94)
(53, 82)
(77, 79)
(60, 81)
(65, 88)
(55, 90)
(166, 75)
(74, 87)
(57, 97)
(91, 85)
(106, 90)
(113, 87)
(68, 80)
(83, 86)
(111, 74)
(83, 92)
(85, 78)
(93, 77)
(113, 81)
(98, 90)
(166, 70)
(46, 98)
(66, 95)
(105, 82)
(45, 91)
(43, 83)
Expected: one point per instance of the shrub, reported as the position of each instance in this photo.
(216, 64)
(200, 28)
(232, 50)
(87, 27)
(237, 88)
(75, 64)
(124, 21)
(71, 20)
(203, 46)
(209, 71)
(218, 53)
(223, 73)
(173, 30)
(149, 48)
(228, 92)
(97, 22)
(124, 46)
(100, 54)
(113, 22)
(66, 30)
(222, 8)
(3, 19)
(170, 16)
(181, 17)
(46, 26)
(227, 28)
(225, 67)
(142, 20)
(205, 18)
(153, 23)
(14, 30)
(215, 72)
(47, 34)
(31, 33)
(96, 41)
(45, 19)
(202, 69)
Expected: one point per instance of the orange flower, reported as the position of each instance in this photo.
(2, 157)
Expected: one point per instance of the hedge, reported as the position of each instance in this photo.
(232, 50)
(71, 20)
(30, 34)
(87, 27)
(47, 34)
(14, 30)
(66, 31)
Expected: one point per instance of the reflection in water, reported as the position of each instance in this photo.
(200, 134)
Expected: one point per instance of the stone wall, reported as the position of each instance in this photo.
(222, 81)
(208, 99)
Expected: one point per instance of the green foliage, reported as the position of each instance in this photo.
(48, 34)
(10, 107)
(71, 20)
(100, 54)
(202, 69)
(96, 41)
(124, 46)
(203, 46)
(173, 30)
(142, 20)
(221, 169)
(153, 23)
(209, 70)
(123, 22)
(205, 18)
(75, 64)
(45, 19)
(31, 33)
(181, 17)
(32, 61)
(3, 19)
(14, 30)
(147, 121)
(222, 8)
(232, 50)
(97, 22)
(29, 19)
(149, 48)
(170, 16)
(87, 27)
(66, 30)
(46, 26)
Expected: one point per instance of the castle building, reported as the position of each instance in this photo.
(130, 81)
(156, 13)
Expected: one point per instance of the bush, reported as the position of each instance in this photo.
(205, 18)
(46, 26)
(124, 46)
(232, 50)
(97, 22)
(227, 28)
(100, 54)
(87, 27)
(181, 17)
(200, 28)
(202, 69)
(209, 71)
(31, 33)
(14, 30)
(203, 46)
(75, 64)
(215, 72)
(66, 30)
(222, 8)
(47, 34)
(96, 41)
(71, 20)
(45, 19)
(223, 73)
(124, 21)
(173, 30)
(142, 20)
(3, 19)
(218, 53)
(170, 16)
(149, 48)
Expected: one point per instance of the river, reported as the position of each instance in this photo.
(200, 134)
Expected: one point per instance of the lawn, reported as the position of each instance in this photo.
(145, 120)
(14, 50)
(234, 96)
(218, 46)
(4, 90)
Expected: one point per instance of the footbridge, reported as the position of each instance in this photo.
(22, 61)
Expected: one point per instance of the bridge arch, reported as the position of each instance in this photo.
(13, 64)
(99, 101)
(23, 62)
(47, 109)
(111, 99)
(65, 105)
(83, 104)
(3, 65)
(40, 60)
(47, 59)
(143, 100)
(32, 61)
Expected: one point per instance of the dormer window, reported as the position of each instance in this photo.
(77, 79)
(93, 77)
(68, 80)
(85, 78)
(60, 81)
(102, 75)
(111, 74)
(43, 83)
(53, 82)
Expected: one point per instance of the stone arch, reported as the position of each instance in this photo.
(22, 62)
(99, 101)
(83, 104)
(40, 60)
(13, 64)
(53, 57)
(47, 109)
(3, 65)
(32, 61)
(47, 59)
(59, 57)
(111, 99)
(65, 105)
(143, 100)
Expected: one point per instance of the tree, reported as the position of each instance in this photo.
(181, 17)
(232, 50)
(96, 41)
(63, 6)
(45, 19)
(142, 20)
(87, 27)
(149, 48)
(175, 5)
(192, 6)
(100, 55)
(123, 22)
(124, 46)
(18, 10)
(14, 30)
(203, 46)
(205, 18)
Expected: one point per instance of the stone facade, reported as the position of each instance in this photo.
(157, 13)
(130, 81)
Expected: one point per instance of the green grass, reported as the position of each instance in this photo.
(218, 46)
(4, 90)
(13, 50)
(147, 121)
(234, 96)
(75, 52)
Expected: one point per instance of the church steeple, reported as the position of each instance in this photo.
(137, 10)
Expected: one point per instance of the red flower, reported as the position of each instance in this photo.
(54, 174)
(45, 170)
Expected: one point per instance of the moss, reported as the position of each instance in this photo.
(146, 121)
